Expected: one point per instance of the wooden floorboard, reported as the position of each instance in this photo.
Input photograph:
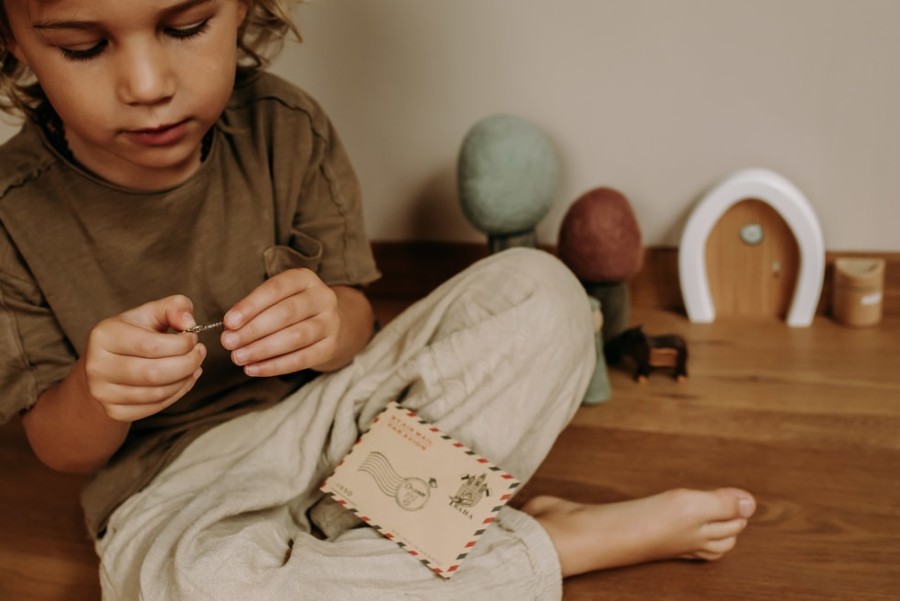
(808, 419)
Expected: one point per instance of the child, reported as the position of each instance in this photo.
(154, 187)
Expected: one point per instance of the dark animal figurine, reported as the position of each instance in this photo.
(648, 352)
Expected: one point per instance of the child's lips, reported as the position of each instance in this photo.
(163, 135)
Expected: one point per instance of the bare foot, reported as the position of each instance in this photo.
(677, 524)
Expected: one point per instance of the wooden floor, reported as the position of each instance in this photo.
(808, 419)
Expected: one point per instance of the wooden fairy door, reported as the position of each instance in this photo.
(752, 260)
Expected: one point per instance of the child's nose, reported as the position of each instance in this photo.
(145, 74)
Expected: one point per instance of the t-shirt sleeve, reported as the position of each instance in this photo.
(327, 230)
(34, 351)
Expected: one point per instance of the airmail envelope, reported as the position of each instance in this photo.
(421, 489)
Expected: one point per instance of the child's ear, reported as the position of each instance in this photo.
(8, 43)
(16, 51)
(243, 7)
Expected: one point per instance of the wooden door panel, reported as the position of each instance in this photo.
(752, 261)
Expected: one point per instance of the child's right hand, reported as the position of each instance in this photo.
(135, 367)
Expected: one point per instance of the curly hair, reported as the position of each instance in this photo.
(260, 38)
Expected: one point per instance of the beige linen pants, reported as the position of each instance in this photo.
(499, 357)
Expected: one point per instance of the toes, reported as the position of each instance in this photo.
(720, 547)
(706, 556)
(723, 529)
(714, 550)
(735, 502)
(746, 506)
(719, 505)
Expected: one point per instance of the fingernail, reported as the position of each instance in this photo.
(233, 320)
(251, 370)
(746, 507)
(229, 340)
(240, 356)
(188, 319)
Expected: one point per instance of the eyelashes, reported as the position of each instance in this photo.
(181, 34)
(187, 32)
(86, 54)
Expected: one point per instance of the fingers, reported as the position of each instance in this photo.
(303, 358)
(142, 331)
(264, 340)
(289, 323)
(135, 387)
(129, 412)
(280, 317)
(175, 312)
(135, 366)
(122, 370)
(269, 294)
(126, 339)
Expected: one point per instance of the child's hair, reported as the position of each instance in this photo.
(267, 24)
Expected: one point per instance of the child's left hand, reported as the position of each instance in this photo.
(290, 322)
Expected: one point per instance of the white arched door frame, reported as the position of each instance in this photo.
(783, 196)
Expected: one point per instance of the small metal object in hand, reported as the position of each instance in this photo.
(198, 329)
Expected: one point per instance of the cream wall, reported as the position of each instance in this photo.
(658, 98)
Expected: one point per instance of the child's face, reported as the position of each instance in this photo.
(137, 83)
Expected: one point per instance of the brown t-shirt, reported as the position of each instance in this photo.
(276, 191)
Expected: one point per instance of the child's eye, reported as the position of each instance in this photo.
(83, 54)
(184, 33)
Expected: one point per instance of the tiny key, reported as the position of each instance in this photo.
(198, 329)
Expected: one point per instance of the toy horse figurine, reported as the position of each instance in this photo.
(648, 352)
